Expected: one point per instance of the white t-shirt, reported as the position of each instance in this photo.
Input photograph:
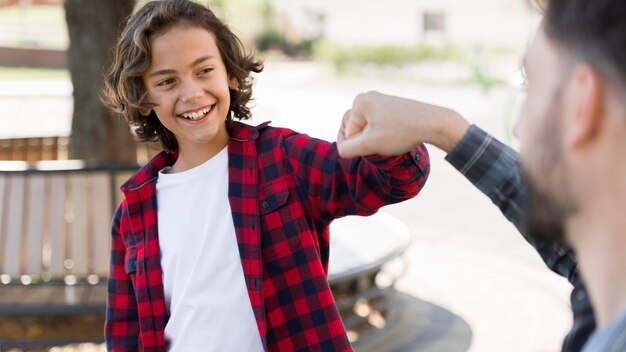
(205, 290)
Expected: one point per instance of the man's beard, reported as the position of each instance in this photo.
(543, 214)
(545, 209)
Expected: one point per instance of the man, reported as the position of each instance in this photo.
(572, 132)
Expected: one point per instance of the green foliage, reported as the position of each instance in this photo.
(22, 73)
(268, 39)
(485, 82)
(389, 55)
(271, 39)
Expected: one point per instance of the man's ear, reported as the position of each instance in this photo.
(586, 97)
(232, 83)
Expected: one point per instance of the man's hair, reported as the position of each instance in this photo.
(593, 31)
(124, 91)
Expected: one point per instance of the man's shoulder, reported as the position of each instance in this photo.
(611, 338)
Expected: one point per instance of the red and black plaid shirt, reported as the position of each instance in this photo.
(284, 190)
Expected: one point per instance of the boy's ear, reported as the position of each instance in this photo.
(232, 83)
(145, 111)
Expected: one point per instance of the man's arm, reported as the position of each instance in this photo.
(494, 169)
(378, 123)
(382, 124)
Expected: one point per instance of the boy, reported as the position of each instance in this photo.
(221, 242)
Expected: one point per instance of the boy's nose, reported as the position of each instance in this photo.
(191, 92)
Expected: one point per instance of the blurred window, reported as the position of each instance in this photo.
(434, 22)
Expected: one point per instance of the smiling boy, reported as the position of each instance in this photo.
(221, 242)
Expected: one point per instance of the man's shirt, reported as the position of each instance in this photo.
(494, 169)
(610, 339)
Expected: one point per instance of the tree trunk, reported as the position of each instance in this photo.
(98, 135)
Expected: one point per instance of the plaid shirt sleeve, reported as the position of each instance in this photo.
(338, 187)
(494, 169)
(121, 323)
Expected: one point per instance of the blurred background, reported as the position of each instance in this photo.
(469, 281)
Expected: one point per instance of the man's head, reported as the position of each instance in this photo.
(573, 123)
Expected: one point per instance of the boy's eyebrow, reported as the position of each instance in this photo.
(195, 63)
(200, 60)
(162, 72)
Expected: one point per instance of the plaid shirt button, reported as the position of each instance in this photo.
(265, 204)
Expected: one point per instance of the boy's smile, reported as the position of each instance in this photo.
(188, 83)
(197, 115)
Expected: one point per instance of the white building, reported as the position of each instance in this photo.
(497, 23)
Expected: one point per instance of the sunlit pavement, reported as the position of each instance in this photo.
(466, 260)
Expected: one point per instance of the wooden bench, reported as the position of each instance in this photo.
(55, 220)
(34, 149)
(54, 248)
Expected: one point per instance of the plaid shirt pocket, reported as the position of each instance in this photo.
(280, 230)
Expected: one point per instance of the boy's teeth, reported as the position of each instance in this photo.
(197, 115)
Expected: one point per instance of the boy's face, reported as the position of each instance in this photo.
(188, 82)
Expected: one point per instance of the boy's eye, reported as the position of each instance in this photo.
(165, 82)
(205, 70)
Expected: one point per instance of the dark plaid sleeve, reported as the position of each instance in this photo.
(121, 322)
(338, 187)
(494, 169)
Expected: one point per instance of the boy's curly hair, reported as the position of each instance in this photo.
(124, 91)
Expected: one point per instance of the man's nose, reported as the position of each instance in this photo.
(516, 127)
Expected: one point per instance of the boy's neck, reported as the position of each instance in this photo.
(192, 155)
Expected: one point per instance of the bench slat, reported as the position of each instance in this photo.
(3, 200)
(100, 205)
(120, 178)
(15, 220)
(34, 229)
(51, 297)
(40, 295)
(73, 295)
(56, 228)
(96, 294)
(14, 294)
(78, 227)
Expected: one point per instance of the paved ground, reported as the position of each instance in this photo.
(472, 283)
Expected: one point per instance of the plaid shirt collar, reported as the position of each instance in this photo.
(239, 132)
